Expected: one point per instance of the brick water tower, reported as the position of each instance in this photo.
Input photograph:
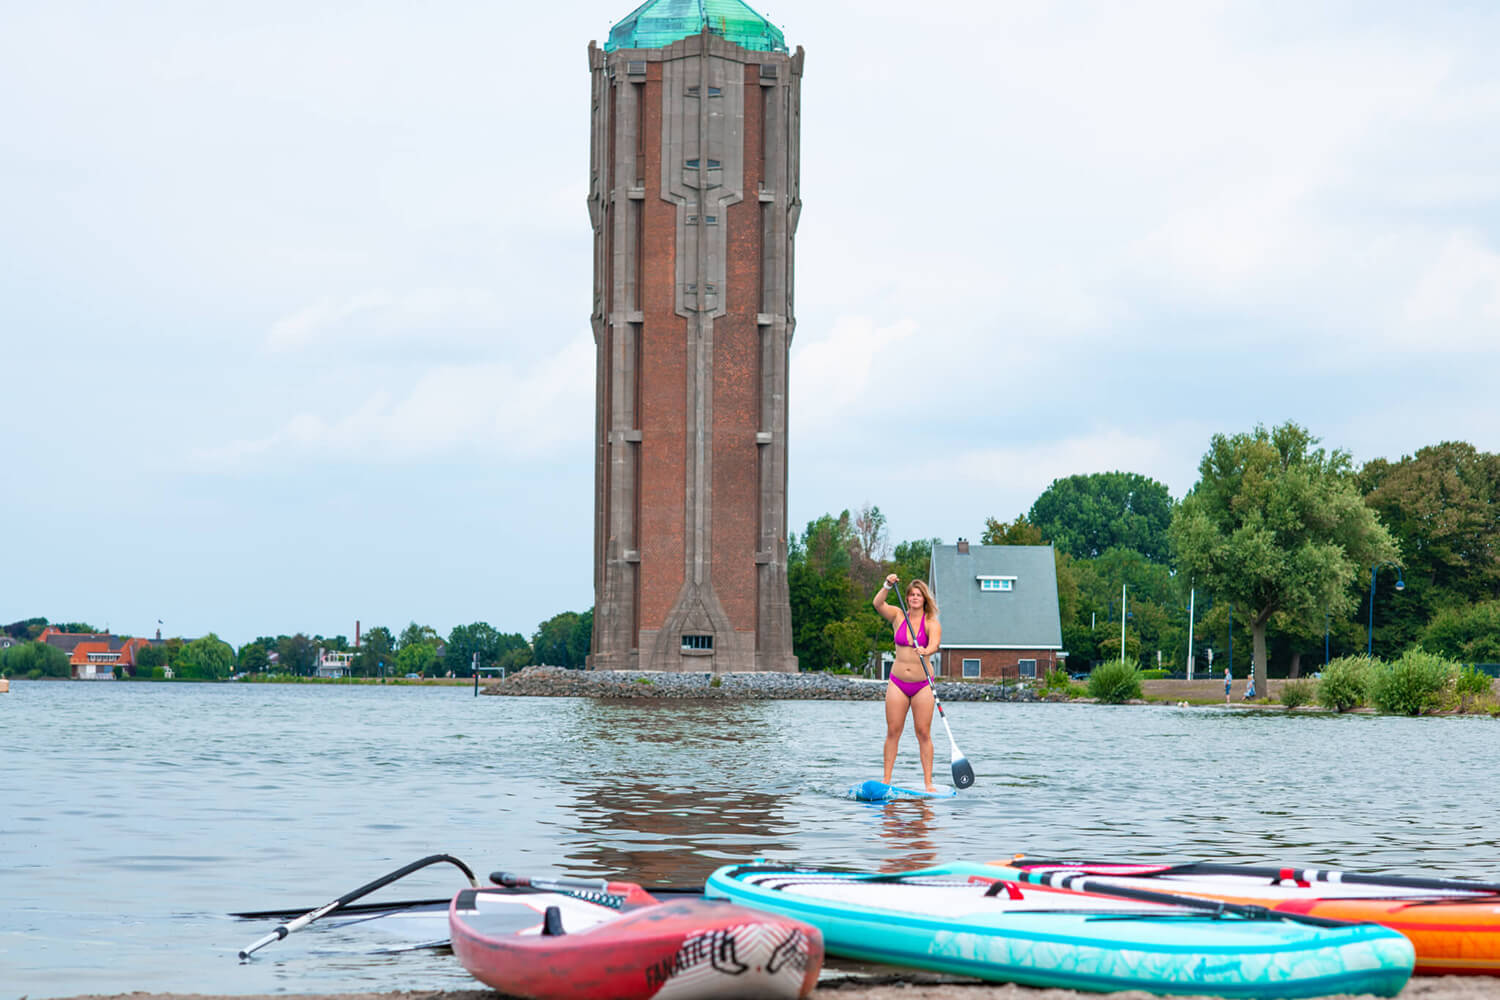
(693, 198)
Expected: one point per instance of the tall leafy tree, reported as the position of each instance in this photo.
(376, 653)
(208, 658)
(820, 587)
(564, 639)
(1018, 532)
(1277, 526)
(1442, 505)
(495, 649)
(414, 633)
(253, 658)
(26, 628)
(1087, 515)
(34, 658)
(296, 654)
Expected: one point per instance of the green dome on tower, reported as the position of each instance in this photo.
(656, 24)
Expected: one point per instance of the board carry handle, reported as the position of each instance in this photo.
(612, 894)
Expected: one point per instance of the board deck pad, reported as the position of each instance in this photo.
(879, 791)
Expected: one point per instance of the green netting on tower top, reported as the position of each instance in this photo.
(658, 23)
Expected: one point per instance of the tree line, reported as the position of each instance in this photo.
(562, 640)
(1271, 552)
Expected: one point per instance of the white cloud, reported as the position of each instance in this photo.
(1027, 468)
(1456, 299)
(495, 410)
(382, 317)
(832, 379)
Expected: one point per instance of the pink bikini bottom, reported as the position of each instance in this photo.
(909, 688)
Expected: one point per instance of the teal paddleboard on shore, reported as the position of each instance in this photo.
(879, 791)
(960, 920)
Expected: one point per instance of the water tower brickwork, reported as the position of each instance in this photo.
(693, 197)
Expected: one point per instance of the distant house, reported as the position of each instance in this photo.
(93, 656)
(334, 664)
(7, 640)
(998, 606)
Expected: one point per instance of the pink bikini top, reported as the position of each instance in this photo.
(902, 633)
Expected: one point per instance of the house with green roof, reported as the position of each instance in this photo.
(998, 605)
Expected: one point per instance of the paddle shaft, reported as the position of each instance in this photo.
(1102, 887)
(296, 925)
(1324, 875)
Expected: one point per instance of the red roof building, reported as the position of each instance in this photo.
(94, 655)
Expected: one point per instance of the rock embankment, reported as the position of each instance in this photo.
(560, 682)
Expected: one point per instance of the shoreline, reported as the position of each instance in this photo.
(560, 682)
(913, 986)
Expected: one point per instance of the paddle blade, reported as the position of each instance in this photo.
(963, 774)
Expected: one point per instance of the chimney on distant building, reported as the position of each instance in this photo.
(963, 546)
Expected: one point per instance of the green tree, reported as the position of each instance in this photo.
(26, 629)
(820, 587)
(414, 633)
(495, 648)
(75, 627)
(34, 659)
(209, 658)
(564, 640)
(1276, 526)
(1087, 515)
(376, 653)
(416, 658)
(148, 658)
(1469, 634)
(912, 560)
(253, 658)
(297, 655)
(1018, 532)
(1442, 505)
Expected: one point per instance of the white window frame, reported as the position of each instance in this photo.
(996, 584)
(975, 661)
(1021, 668)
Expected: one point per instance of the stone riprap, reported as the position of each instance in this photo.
(561, 682)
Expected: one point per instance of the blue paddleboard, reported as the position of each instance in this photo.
(879, 791)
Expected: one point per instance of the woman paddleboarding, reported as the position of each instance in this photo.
(910, 690)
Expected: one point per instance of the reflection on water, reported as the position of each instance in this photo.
(907, 826)
(166, 806)
(673, 792)
(658, 835)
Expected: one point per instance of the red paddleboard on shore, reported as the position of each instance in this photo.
(550, 945)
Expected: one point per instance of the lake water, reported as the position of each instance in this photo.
(135, 817)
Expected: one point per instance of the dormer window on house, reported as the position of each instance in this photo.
(997, 583)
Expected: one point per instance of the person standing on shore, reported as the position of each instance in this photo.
(910, 690)
(1228, 680)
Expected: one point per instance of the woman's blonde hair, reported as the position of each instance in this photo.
(929, 603)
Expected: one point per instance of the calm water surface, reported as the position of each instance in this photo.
(134, 817)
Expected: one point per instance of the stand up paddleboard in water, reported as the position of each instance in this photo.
(879, 791)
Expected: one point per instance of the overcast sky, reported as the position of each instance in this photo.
(294, 297)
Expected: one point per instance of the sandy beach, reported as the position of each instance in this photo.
(913, 987)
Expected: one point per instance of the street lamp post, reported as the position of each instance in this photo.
(1400, 585)
(1122, 623)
